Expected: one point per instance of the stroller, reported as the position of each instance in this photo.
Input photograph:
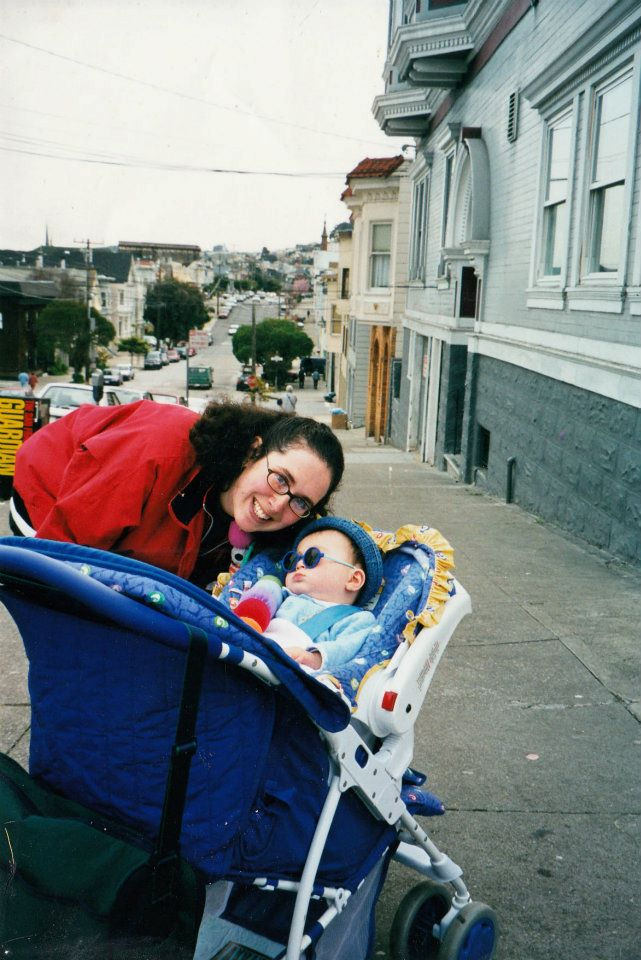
(299, 790)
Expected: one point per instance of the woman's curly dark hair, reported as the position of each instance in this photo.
(224, 435)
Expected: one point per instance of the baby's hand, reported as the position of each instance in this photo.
(308, 658)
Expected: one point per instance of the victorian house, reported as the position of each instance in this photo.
(522, 330)
(377, 196)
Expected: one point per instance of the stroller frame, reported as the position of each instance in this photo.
(388, 702)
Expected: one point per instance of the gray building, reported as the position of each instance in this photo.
(522, 333)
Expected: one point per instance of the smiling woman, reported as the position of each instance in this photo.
(179, 491)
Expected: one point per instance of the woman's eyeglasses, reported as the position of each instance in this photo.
(311, 558)
(279, 484)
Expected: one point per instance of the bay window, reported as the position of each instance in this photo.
(555, 206)
(611, 123)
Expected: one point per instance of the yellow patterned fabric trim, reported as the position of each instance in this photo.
(441, 579)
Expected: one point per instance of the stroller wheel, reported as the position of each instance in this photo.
(472, 935)
(411, 936)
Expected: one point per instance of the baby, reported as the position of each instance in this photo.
(334, 565)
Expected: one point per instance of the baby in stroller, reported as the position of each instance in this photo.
(334, 568)
(297, 799)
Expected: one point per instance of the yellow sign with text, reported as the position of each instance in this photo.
(17, 415)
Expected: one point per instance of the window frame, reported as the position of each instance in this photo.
(372, 254)
(419, 221)
(585, 275)
(542, 279)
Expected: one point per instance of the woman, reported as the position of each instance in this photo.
(158, 483)
(289, 400)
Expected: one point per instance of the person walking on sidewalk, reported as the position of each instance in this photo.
(301, 378)
(289, 400)
(315, 379)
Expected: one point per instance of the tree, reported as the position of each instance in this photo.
(132, 345)
(64, 325)
(174, 309)
(274, 338)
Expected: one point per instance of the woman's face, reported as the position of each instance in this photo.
(256, 507)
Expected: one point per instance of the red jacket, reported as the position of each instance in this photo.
(105, 477)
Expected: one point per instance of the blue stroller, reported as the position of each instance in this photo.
(299, 789)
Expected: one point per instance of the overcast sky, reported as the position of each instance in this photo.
(156, 87)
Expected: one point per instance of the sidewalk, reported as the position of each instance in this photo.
(530, 733)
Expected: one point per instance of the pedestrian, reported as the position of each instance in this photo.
(315, 379)
(289, 400)
(97, 384)
(301, 378)
(161, 484)
(33, 381)
(23, 379)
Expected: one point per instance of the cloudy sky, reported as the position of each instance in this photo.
(113, 114)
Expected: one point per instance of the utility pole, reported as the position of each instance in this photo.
(253, 393)
(90, 318)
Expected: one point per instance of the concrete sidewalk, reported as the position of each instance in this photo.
(530, 733)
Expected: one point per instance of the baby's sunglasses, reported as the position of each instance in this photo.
(311, 558)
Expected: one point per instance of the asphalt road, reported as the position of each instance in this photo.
(219, 356)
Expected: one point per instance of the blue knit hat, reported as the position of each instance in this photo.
(370, 552)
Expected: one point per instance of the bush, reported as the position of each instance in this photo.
(57, 368)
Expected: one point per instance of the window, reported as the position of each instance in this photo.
(345, 284)
(419, 222)
(121, 298)
(379, 270)
(611, 122)
(555, 214)
(103, 299)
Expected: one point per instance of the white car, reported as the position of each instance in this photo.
(65, 397)
(127, 370)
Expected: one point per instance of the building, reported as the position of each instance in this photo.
(345, 256)
(20, 302)
(522, 333)
(183, 253)
(377, 196)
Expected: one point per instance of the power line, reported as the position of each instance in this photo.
(176, 168)
(185, 96)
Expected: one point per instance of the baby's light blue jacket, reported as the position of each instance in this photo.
(342, 642)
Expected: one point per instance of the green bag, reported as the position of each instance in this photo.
(77, 886)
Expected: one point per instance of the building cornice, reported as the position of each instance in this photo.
(404, 112)
(610, 35)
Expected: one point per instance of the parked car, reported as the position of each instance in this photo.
(127, 395)
(153, 360)
(127, 370)
(65, 397)
(181, 350)
(164, 359)
(243, 382)
(113, 376)
(200, 378)
(173, 355)
(232, 330)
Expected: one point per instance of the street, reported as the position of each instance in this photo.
(219, 356)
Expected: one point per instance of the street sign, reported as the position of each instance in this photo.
(198, 339)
